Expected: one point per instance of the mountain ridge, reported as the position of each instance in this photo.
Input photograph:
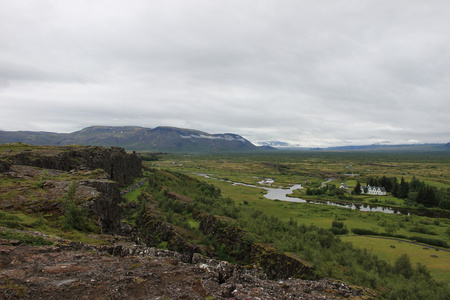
(278, 145)
(161, 138)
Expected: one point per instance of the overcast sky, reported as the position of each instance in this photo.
(314, 73)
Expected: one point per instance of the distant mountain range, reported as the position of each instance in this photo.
(171, 139)
(163, 139)
(406, 147)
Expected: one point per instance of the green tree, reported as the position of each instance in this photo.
(394, 185)
(426, 195)
(403, 189)
(403, 266)
(357, 189)
(75, 215)
(415, 184)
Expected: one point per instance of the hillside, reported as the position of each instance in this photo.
(166, 139)
(66, 230)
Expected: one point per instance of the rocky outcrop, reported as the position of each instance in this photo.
(275, 264)
(210, 224)
(4, 166)
(97, 173)
(119, 165)
(80, 271)
(154, 231)
(100, 196)
(106, 204)
(278, 264)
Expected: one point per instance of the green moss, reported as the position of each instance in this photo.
(25, 238)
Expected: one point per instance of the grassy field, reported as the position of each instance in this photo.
(439, 267)
(311, 169)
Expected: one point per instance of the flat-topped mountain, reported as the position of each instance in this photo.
(168, 139)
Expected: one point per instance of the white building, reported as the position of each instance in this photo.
(345, 187)
(373, 190)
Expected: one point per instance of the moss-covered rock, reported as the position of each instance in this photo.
(155, 231)
(278, 264)
(243, 249)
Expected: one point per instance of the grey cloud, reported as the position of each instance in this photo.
(308, 72)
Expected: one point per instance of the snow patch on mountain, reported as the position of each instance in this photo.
(226, 137)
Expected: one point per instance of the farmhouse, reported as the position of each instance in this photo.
(373, 190)
(345, 187)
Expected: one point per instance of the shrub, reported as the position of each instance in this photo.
(75, 216)
(430, 241)
(338, 231)
(362, 231)
(421, 229)
(337, 224)
(403, 266)
(338, 228)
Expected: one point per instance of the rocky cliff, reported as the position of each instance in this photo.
(45, 176)
(275, 264)
(119, 165)
(154, 231)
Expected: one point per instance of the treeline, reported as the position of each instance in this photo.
(330, 190)
(415, 191)
(330, 256)
(429, 241)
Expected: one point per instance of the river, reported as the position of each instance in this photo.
(281, 195)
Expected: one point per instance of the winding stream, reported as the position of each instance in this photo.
(281, 194)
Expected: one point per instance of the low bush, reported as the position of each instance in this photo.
(429, 241)
(362, 231)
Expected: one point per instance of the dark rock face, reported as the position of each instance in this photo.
(106, 205)
(155, 231)
(4, 166)
(275, 263)
(119, 165)
(278, 264)
(80, 271)
(210, 224)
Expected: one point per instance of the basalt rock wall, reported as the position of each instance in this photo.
(275, 264)
(119, 165)
(106, 205)
(4, 167)
(154, 231)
